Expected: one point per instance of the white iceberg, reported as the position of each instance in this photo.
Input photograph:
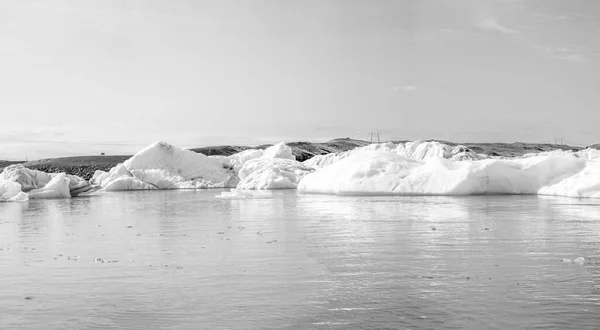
(280, 150)
(385, 172)
(18, 183)
(271, 173)
(10, 191)
(277, 168)
(238, 160)
(28, 179)
(58, 187)
(163, 166)
(416, 150)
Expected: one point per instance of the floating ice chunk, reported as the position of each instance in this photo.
(271, 173)
(39, 184)
(280, 150)
(390, 173)
(163, 166)
(578, 260)
(20, 197)
(28, 179)
(58, 187)
(175, 162)
(11, 191)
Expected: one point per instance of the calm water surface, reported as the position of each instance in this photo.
(188, 260)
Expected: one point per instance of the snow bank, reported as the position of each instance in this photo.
(386, 172)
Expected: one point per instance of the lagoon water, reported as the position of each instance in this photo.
(283, 260)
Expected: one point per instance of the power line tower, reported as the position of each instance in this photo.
(376, 134)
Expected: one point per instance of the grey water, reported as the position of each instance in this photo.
(283, 260)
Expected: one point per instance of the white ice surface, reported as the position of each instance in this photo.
(18, 183)
(58, 187)
(271, 173)
(10, 191)
(387, 172)
(163, 166)
(127, 183)
(280, 150)
(416, 150)
(28, 179)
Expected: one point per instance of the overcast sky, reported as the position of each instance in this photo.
(101, 73)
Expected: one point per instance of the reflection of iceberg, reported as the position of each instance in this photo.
(388, 172)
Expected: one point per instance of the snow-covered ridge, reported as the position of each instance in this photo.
(412, 168)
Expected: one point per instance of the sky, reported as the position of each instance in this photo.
(80, 77)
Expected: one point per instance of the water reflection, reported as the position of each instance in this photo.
(282, 260)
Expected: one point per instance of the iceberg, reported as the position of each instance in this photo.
(391, 173)
(271, 173)
(416, 150)
(280, 150)
(18, 183)
(58, 187)
(10, 191)
(28, 179)
(163, 166)
(277, 168)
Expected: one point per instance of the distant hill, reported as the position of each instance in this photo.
(5, 163)
(302, 150)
